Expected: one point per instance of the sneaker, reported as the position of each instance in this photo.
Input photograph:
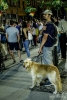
(47, 83)
(21, 61)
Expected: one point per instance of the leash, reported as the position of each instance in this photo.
(36, 58)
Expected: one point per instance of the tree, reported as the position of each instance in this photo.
(56, 4)
(3, 5)
(14, 0)
(30, 9)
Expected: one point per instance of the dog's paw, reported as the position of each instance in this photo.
(31, 87)
(38, 85)
(55, 92)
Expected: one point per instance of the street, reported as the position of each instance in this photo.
(15, 82)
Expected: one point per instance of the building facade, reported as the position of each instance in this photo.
(16, 10)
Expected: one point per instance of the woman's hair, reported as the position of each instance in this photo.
(34, 25)
(24, 24)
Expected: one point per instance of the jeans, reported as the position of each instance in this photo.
(47, 55)
(30, 42)
(26, 46)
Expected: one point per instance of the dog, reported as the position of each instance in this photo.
(41, 71)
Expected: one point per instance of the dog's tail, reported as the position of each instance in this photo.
(59, 84)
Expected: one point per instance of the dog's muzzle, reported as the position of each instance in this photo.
(23, 65)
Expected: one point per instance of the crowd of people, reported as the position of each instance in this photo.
(16, 35)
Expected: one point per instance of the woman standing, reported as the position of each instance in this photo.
(34, 33)
(25, 38)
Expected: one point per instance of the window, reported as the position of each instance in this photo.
(30, 2)
(23, 4)
(13, 16)
(14, 4)
(34, 3)
(19, 4)
(8, 16)
(11, 3)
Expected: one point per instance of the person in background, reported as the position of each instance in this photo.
(40, 31)
(30, 35)
(7, 25)
(56, 22)
(18, 25)
(62, 29)
(3, 43)
(25, 38)
(34, 33)
(13, 38)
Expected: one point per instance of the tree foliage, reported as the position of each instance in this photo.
(30, 9)
(4, 5)
(27, 2)
(14, 0)
(56, 4)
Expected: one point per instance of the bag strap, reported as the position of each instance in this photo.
(54, 26)
(51, 36)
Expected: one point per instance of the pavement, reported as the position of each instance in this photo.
(15, 82)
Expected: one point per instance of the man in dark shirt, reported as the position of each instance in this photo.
(46, 46)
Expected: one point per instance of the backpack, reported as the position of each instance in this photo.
(55, 35)
(3, 38)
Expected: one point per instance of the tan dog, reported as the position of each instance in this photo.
(40, 71)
